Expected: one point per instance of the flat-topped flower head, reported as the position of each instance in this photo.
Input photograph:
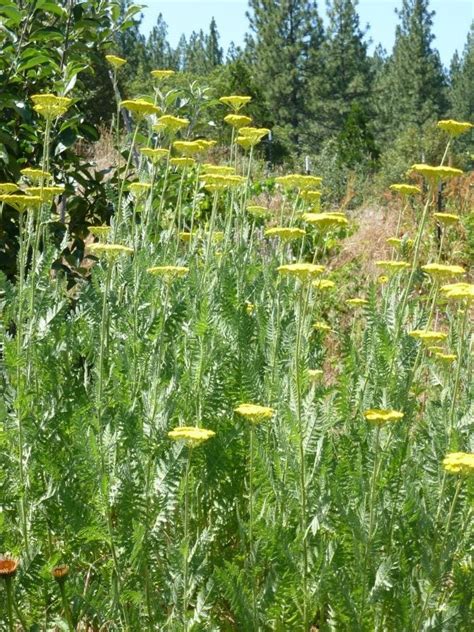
(435, 174)
(171, 124)
(8, 567)
(311, 196)
(255, 133)
(36, 175)
(258, 211)
(459, 463)
(325, 220)
(454, 128)
(7, 187)
(21, 202)
(102, 232)
(50, 106)
(108, 251)
(428, 337)
(321, 326)
(301, 271)
(139, 189)
(298, 181)
(285, 233)
(206, 144)
(324, 284)
(168, 271)
(236, 102)
(405, 189)
(45, 193)
(441, 270)
(186, 236)
(155, 155)
(446, 358)
(396, 242)
(357, 302)
(189, 147)
(446, 218)
(237, 120)
(254, 413)
(380, 416)
(217, 182)
(458, 291)
(315, 374)
(115, 61)
(192, 436)
(140, 107)
(182, 162)
(220, 170)
(162, 74)
(393, 266)
(245, 142)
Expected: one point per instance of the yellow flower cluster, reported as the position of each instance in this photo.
(50, 106)
(168, 271)
(428, 337)
(160, 75)
(99, 231)
(217, 182)
(392, 266)
(115, 61)
(311, 196)
(459, 463)
(321, 326)
(302, 271)
(182, 162)
(405, 189)
(447, 358)
(297, 181)
(254, 413)
(446, 218)
(436, 173)
(442, 270)
(458, 291)
(258, 211)
(193, 147)
(324, 284)
(109, 251)
(155, 155)
(325, 220)
(396, 242)
(219, 170)
(22, 202)
(455, 128)
(357, 302)
(140, 107)
(7, 187)
(237, 120)
(36, 175)
(45, 193)
(139, 189)
(191, 435)
(285, 234)
(236, 102)
(170, 123)
(381, 416)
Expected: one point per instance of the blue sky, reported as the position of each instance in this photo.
(451, 22)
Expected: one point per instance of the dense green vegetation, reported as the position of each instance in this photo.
(212, 417)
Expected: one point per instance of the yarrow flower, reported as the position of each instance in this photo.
(302, 271)
(455, 128)
(321, 326)
(258, 211)
(285, 234)
(140, 107)
(182, 162)
(155, 155)
(392, 266)
(459, 463)
(428, 336)
(217, 182)
(436, 173)
(236, 102)
(315, 374)
(325, 220)
(7, 187)
(447, 358)
(115, 61)
(254, 413)
(220, 170)
(396, 242)
(99, 231)
(192, 147)
(458, 291)
(357, 302)
(36, 175)
(22, 203)
(45, 193)
(297, 181)
(442, 270)
(381, 416)
(446, 218)
(237, 120)
(405, 189)
(50, 106)
(139, 189)
(168, 271)
(191, 435)
(185, 236)
(170, 123)
(109, 251)
(324, 284)
(162, 74)
(311, 196)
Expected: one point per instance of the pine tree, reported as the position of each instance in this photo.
(462, 81)
(285, 35)
(158, 49)
(415, 87)
(342, 74)
(214, 52)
